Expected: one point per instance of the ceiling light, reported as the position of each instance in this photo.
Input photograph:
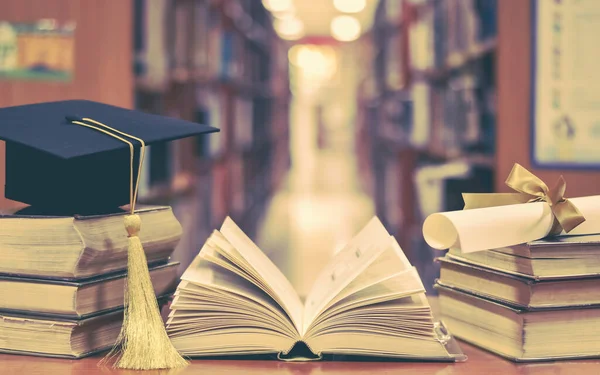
(277, 5)
(289, 29)
(345, 28)
(285, 15)
(350, 6)
(316, 62)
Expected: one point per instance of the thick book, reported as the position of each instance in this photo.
(82, 246)
(77, 299)
(521, 291)
(560, 257)
(558, 247)
(368, 301)
(518, 334)
(60, 337)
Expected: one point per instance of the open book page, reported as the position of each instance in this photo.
(391, 261)
(345, 266)
(220, 308)
(204, 277)
(388, 262)
(400, 285)
(235, 313)
(401, 328)
(274, 282)
(379, 308)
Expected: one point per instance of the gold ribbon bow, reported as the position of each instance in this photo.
(531, 189)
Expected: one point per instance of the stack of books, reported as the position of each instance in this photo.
(534, 301)
(62, 279)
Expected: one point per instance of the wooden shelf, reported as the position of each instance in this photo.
(471, 158)
(186, 76)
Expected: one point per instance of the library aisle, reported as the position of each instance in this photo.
(319, 207)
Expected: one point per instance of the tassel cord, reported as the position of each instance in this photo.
(143, 343)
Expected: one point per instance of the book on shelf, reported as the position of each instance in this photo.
(553, 258)
(521, 334)
(182, 39)
(201, 31)
(215, 43)
(393, 192)
(440, 36)
(486, 19)
(518, 291)
(421, 42)
(81, 246)
(151, 49)
(60, 337)
(77, 299)
(238, 188)
(464, 115)
(201, 116)
(393, 11)
(464, 25)
(368, 301)
(394, 64)
(244, 116)
(228, 61)
(421, 118)
(209, 109)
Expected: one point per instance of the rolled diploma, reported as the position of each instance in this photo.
(501, 226)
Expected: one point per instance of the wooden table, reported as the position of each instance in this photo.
(479, 362)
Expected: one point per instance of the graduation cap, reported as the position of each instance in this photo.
(58, 167)
(80, 156)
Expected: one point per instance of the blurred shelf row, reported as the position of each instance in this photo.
(220, 63)
(428, 99)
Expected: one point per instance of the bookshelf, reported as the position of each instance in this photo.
(217, 62)
(428, 99)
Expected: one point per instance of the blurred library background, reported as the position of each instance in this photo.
(330, 111)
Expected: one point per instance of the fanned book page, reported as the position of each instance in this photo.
(368, 301)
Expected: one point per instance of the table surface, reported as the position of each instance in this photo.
(478, 362)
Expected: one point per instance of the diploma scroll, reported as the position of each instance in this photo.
(494, 227)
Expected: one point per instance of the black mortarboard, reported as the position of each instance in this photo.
(59, 167)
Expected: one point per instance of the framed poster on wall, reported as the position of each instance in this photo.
(565, 118)
(37, 51)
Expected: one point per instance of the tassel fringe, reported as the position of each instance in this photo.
(143, 343)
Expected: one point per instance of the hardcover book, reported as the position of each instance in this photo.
(79, 247)
(60, 337)
(560, 257)
(521, 335)
(520, 291)
(77, 299)
(367, 301)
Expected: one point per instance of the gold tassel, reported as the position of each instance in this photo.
(143, 342)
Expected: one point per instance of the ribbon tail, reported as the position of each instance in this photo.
(568, 215)
(482, 200)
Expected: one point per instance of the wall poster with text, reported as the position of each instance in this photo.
(566, 83)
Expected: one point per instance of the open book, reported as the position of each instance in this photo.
(368, 301)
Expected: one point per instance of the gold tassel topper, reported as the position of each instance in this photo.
(143, 343)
